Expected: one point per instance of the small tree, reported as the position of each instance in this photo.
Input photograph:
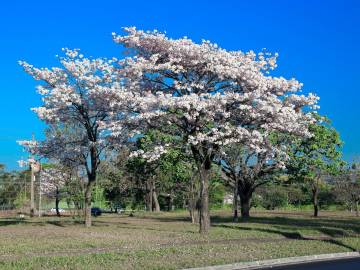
(314, 159)
(246, 169)
(347, 188)
(53, 181)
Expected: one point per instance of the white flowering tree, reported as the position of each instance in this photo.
(76, 99)
(214, 97)
(52, 180)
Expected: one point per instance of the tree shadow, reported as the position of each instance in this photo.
(55, 223)
(333, 227)
(166, 218)
(32, 222)
(8, 222)
(289, 235)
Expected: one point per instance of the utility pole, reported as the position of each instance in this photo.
(40, 196)
(35, 168)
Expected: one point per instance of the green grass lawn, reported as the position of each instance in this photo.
(170, 241)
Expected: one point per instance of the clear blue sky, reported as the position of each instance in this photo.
(318, 42)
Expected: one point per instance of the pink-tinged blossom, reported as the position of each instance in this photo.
(80, 96)
(215, 97)
(79, 99)
(52, 179)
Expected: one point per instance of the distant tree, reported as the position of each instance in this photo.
(246, 169)
(347, 187)
(314, 160)
(274, 197)
(119, 189)
(12, 186)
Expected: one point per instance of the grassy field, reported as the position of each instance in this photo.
(170, 241)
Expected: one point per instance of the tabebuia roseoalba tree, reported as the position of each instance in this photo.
(53, 180)
(76, 97)
(315, 159)
(213, 97)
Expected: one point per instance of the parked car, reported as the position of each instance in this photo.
(96, 211)
(53, 210)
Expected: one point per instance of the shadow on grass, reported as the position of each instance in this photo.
(8, 222)
(289, 235)
(29, 222)
(333, 227)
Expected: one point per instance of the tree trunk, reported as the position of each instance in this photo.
(57, 201)
(193, 210)
(155, 201)
(88, 191)
(193, 198)
(204, 214)
(194, 216)
(357, 208)
(245, 199)
(236, 202)
(149, 196)
(315, 192)
(32, 195)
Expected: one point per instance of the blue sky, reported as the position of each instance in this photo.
(318, 42)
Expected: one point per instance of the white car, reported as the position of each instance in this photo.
(53, 210)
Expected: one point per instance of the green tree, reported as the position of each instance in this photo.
(13, 188)
(315, 159)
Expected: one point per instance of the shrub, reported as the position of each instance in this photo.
(274, 198)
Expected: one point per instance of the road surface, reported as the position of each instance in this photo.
(340, 264)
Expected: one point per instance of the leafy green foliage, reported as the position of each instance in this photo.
(13, 188)
(318, 155)
(273, 197)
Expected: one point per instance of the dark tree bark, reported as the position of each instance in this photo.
(87, 209)
(315, 193)
(245, 200)
(204, 217)
(193, 200)
(245, 190)
(236, 202)
(149, 195)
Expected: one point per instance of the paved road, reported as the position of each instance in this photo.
(341, 264)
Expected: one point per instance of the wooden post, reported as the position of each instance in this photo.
(35, 168)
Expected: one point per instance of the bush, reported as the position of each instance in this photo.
(274, 198)
(216, 193)
(256, 200)
(327, 198)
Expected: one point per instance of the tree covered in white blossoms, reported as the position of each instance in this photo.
(52, 180)
(76, 97)
(212, 96)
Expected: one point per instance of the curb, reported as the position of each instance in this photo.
(281, 261)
